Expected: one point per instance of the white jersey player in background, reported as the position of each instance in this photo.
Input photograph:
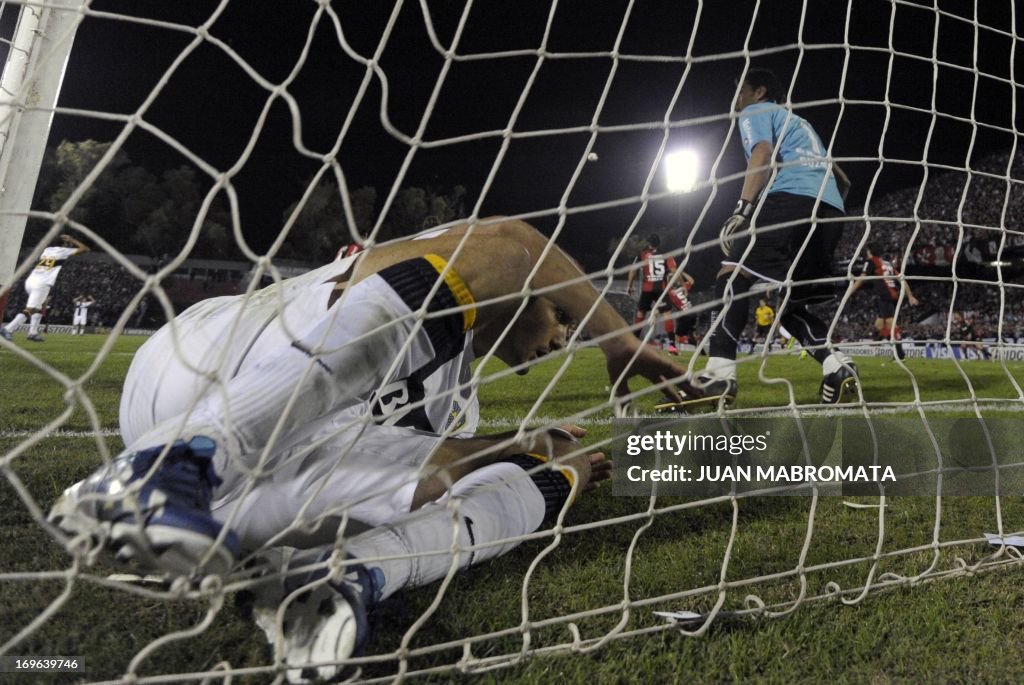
(338, 402)
(81, 316)
(38, 285)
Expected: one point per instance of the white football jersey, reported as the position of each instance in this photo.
(226, 336)
(49, 264)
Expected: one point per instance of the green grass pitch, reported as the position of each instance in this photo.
(665, 555)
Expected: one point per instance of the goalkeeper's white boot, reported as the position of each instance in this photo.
(313, 616)
(710, 389)
(839, 379)
(153, 510)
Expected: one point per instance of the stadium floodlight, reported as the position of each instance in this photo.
(681, 169)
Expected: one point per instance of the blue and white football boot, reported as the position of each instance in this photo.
(152, 507)
(314, 618)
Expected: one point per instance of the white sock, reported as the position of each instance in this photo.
(834, 362)
(16, 322)
(492, 504)
(720, 368)
(33, 326)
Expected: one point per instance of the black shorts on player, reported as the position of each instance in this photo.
(782, 230)
(886, 307)
(649, 298)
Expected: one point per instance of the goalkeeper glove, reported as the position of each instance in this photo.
(739, 221)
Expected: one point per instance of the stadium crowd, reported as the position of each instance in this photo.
(109, 283)
(947, 235)
(951, 218)
(948, 240)
(114, 287)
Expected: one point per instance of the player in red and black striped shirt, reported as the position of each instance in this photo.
(658, 274)
(886, 284)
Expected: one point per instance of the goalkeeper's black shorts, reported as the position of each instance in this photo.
(781, 228)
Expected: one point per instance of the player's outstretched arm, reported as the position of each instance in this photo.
(458, 457)
(858, 283)
(71, 241)
(910, 295)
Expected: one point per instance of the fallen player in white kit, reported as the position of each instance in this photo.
(339, 402)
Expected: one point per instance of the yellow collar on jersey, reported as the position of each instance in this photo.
(459, 289)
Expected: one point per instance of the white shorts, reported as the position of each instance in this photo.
(80, 319)
(37, 293)
(366, 472)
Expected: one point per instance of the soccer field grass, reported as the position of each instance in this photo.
(597, 584)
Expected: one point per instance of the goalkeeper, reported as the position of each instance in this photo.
(324, 404)
(791, 177)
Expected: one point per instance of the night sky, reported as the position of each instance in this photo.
(211, 104)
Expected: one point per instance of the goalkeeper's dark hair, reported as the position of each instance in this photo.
(654, 240)
(766, 78)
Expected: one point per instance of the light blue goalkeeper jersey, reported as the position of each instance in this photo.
(801, 154)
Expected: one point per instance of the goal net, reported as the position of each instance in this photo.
(228, 160)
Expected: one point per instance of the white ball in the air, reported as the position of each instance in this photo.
(592, 157)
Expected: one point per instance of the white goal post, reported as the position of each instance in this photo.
(36, 58)
(216, 171)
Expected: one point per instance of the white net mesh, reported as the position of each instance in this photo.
(219, 151)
